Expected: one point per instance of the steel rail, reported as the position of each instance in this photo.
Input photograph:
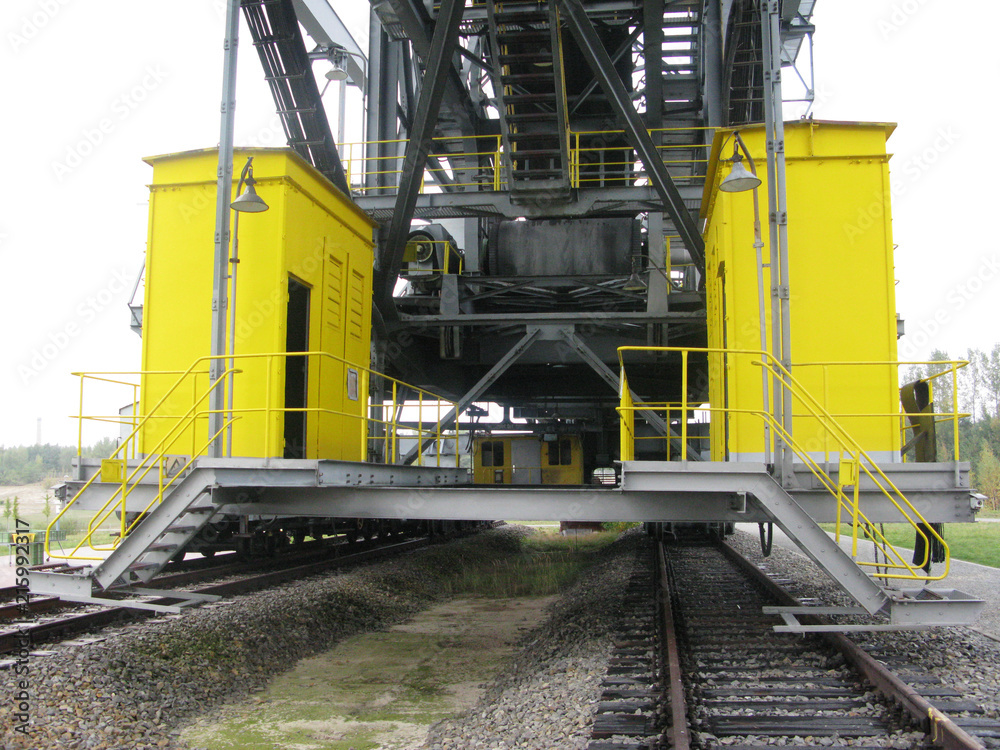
(680, 737)
(13, 639)
(943, 731)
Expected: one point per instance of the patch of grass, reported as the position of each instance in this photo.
(972, 542)
(544, 565)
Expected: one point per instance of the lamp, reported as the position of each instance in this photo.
(249, 202)
(635, 282)
(739, 178)
(338, 72)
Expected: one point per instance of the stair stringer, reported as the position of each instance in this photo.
(814, 542)
(154, 531)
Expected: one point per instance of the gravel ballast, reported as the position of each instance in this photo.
(963, 658)
(545, 697)
(136, 687)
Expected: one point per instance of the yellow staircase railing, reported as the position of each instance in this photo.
(854, 466)
(182, 430)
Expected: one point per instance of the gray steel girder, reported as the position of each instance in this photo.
(600, 62)
(417, 149)
(418, 28)
(624, 200)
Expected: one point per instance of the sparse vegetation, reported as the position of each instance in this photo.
(541, 564)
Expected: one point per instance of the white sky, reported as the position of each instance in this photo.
(73, 201)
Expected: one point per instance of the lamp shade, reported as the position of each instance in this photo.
(249, 202)
(336, 73)
(739, 179)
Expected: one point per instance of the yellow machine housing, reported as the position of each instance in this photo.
(528, 459)
(304, 283)
(841, 285)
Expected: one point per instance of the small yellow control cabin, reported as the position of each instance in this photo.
(841, 288)
(303, 284)
(528, 459)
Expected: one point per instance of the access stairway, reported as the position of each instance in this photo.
(184, 510)
(530, 96)
(755, 492)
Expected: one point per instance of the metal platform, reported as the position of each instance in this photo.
(648, 492)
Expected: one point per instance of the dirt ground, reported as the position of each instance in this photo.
(30, 497)
(378, 690)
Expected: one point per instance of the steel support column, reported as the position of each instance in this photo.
(419, 146)
(604, 70)
(781, 346)
(223, 197)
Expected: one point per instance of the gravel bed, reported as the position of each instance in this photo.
(545, 696)
(138, 686)
(962, 657)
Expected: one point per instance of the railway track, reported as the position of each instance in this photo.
(698, 664)
(42, 627)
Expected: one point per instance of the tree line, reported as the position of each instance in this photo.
(28, 464)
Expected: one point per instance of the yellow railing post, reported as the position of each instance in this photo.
(395, 425)
(684, 405)
(79, 426)
(496, 165)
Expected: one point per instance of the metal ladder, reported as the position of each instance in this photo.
(177, 518)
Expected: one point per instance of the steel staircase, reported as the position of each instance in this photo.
(182, 512)
(530, 95)
(906, 608)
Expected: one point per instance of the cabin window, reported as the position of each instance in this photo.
(492, 453)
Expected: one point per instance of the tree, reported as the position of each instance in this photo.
(8, 511)
(991, 379)
(987, 476)
(47, 508)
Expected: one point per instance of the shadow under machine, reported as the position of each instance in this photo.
(531, 292)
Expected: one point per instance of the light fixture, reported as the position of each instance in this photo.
(336, 73)
(635, 282)
(544, 63)
(249, 202)
(739, 178)
(339, 70)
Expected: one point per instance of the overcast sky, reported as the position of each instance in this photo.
(91, 88)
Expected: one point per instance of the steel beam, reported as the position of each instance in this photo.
(600, 62)
(479, 388)
(419, 146)
(611, 378)
(413, 18)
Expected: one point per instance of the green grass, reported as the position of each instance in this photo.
(536, 565)
(972, 542)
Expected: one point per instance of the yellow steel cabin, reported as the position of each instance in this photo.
(528, 459)
(304, 280)
(840, 286)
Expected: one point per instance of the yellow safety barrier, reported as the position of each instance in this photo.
(382, 435)
(855, 463)
(481, 168)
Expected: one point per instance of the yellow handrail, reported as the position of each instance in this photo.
(154, 458)
(858, 458)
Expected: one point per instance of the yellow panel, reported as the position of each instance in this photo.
(312, 233)
(842, 302)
